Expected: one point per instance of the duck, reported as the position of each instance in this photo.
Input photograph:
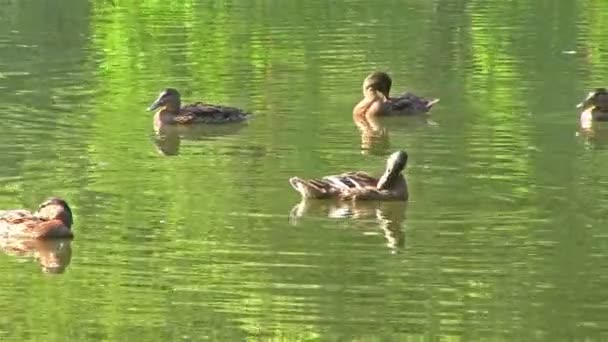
(595, 107)
(404, 104)
(374, 103)
(170, 111)
(52, 219)
(359, 185)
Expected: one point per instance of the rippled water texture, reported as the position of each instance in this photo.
(196, 234)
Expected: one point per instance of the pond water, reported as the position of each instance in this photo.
(198, 235)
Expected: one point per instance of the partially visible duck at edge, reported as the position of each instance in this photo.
(595, 107)
(170, 111)
(404, 104)
(359, 185)
(52, 219)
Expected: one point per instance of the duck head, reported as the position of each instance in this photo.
(394, 166)
(56, 208)
(169, 99)
(379, 81)
(597, 98)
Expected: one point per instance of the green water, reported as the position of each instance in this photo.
(198, 236)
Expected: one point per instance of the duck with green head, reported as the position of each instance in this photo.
(595, 107)
(170, 111)
(377, 85)
(359, 185)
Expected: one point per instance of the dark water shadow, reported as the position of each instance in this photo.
(388, 217)
(53, 256)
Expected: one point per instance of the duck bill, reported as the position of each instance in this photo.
(385, 180)
(157, 103)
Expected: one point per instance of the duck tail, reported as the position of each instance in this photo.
(306, 188)
(431, 102)
(296, 182)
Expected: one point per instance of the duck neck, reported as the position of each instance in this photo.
(365, 105)
(65, 217)
(173, 107)
(387, 180)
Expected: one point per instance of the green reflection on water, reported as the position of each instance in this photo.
(503, 238)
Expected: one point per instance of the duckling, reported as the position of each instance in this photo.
(53, 219)
(595, 107)
(172, 112)
(359, 185)
(405, 104)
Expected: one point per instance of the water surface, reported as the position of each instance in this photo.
(197, 235)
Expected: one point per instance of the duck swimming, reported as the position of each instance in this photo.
(404, 104)
(359, 185)
(374, 104)
(595, 107)
(170, 111)
(53, 219)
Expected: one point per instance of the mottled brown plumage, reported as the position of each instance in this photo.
(404, 104)
(53, 219)
(172, 112)
(358, 185)
(373, 104)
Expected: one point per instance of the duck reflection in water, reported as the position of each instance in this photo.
(388, 216)
(168, 138)
(54, 255)
(594, 138)
(375, 138)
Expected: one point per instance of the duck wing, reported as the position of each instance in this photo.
(333, 185)
(16, 216)
(351, 180)
(16, 222)
(409, 103)
(211, 114)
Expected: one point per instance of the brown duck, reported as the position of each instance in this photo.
(53, 219)
(170, 111)
(404, 104)
(595, 107)
(359, 185)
